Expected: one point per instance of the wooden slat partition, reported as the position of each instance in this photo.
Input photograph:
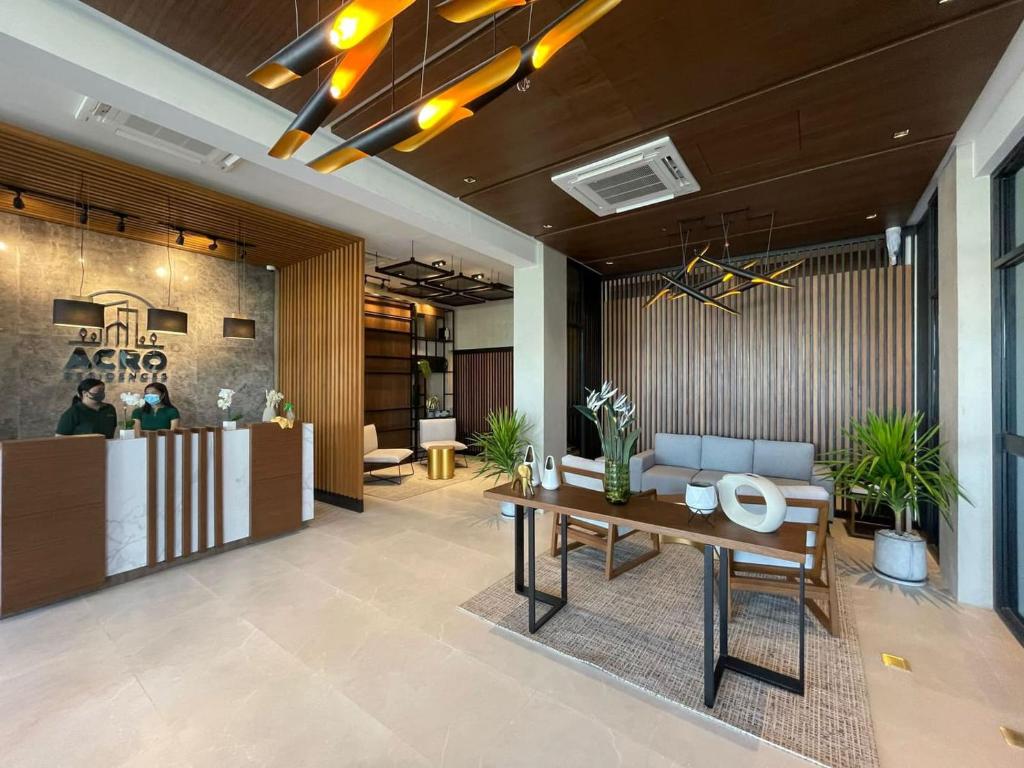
(186, 490)
(170, 488)
(204, 491)
(53, 539)
(321, 361)
(151, 499)
(275, 471)
(483, 381)
(218, 487)
(796, 365)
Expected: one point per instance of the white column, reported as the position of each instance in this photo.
(965, 372)
(539, 336)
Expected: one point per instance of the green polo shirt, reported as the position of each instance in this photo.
(156, 418)
(82, 420)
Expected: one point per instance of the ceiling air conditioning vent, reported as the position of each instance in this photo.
(153, 135)
(645, 175)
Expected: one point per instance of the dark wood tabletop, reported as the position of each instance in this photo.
(664, 516)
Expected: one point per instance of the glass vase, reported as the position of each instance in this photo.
(616, 482)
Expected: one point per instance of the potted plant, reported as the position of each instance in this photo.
(133, 401)
(501, 448)
(614, 418)
(273, 399)
(889, 464)
(224, 398)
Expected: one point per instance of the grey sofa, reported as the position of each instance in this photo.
(676, 460)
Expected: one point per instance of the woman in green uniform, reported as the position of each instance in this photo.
(158, 412)
(88, 414)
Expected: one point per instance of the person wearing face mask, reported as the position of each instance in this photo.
(158, 412)
(88, 414)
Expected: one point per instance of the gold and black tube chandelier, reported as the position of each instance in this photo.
(461, 11)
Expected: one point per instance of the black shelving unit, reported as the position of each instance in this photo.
(434, 337)
(396, 425)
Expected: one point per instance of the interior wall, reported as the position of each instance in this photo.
(796, 364)
(485, 326)
(39, 262)
(321, 361)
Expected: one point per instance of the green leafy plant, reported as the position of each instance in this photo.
(889, 464)
(424, 366)
(502, 445)
(614, 418)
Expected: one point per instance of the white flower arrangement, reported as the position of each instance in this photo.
(615, 419)
(273, 398)
(133, 401)
(224, 398)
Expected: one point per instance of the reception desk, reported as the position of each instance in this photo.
(79, 513)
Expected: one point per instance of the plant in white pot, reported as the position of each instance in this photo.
(502, 447)
(888, 464)
(224, 398)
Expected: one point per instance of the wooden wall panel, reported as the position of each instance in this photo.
(483, 381)
(53, 541)
(388, 326)
(796, 365)
(320, 361)
(275, 469)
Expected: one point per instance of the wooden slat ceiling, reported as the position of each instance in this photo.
(776, 107)
(37, 164)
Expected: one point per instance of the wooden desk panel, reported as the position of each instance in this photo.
(52, 520)
(275, 466)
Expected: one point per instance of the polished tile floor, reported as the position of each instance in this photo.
(343, 645)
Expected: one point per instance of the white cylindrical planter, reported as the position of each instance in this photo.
(228, 425)
(508, 509)
(126, 434)
(901, 557)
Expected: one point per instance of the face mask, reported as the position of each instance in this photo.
(97, 397)
(152, 399)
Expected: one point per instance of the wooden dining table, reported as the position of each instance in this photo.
(665, 515)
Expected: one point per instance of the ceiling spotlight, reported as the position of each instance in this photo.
(470, 179)
(120, 223)
(180, 239)
(549, 226)
(478, 276)
(609, 262)
(18, 203)
(84, 218)
(213, 244)
(871, 216)
(439, 263)
(901, 134)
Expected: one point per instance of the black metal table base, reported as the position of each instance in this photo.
(530, 589)
(713, 671)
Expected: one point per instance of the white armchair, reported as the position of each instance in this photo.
(440, 433)
(376, 458)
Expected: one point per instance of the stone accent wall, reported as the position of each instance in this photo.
(39, 262)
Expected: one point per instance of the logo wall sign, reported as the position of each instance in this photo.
(122, 352)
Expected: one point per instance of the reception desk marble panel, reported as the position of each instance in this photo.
(143, 481)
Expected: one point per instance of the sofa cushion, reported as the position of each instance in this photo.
(726, 454)
(677, 450)
(665, 479)
(775, 458)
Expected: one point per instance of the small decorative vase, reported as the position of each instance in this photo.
(228, 425)
(701, 498)
(269, 413)
(549, 475)
(530, 457)
(616, 481)
(126, 434)
(289, 414)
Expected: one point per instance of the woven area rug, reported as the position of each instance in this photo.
(416, 484)
(646, 628)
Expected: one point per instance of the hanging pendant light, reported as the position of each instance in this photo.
(461, 11)
(425, 119)
(79, 311)
(320, 43)
(237, 326)
(168, 320)
(349, 71)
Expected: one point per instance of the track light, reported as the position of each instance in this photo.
(120, 224)
(213, 244)
(180, 239)
(18, 203)
(343, 30)
(439, 263)
(313, 113)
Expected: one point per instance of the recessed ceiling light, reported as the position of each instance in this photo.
(943, 2)
(901, 134)
(478, 276)
(3, 245)
(470, 179)
(609, 262)
(549, 226)
(871, 216)
(439, 263)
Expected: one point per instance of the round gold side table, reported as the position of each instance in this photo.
(440, 463)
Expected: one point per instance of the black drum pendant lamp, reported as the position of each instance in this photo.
(168, 320)
(236, 326)
(79, 311)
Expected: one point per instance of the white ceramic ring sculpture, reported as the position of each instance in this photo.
(774, 513)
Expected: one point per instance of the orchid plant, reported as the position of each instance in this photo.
(614, 415)
(133, 401)
(273, 398)
(224, 398)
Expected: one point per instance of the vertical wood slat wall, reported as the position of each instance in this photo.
(320, 361)
(483, 380)
(796, 365)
